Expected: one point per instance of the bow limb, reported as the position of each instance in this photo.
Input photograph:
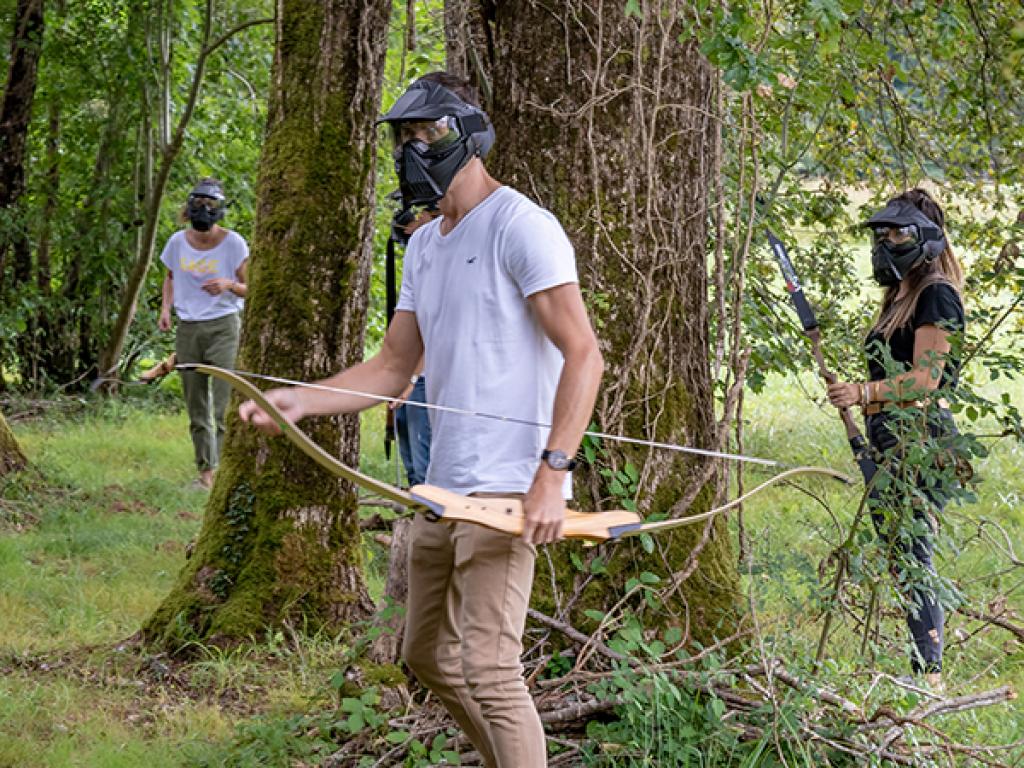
(664, 525)
(858, 445)
(302, 441)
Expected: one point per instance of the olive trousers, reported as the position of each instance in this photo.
(214, 342)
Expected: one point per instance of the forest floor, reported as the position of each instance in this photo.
(93, 537)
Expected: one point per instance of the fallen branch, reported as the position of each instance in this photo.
(996, 620)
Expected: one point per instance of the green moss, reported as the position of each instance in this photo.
(384, 675)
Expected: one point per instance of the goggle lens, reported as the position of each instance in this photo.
(209, 203)
(908, 235)
(427, 135)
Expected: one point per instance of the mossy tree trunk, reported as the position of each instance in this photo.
(608, 120)
(280, 538)
(12, 458)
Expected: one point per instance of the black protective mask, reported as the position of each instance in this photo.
(202, 218)
(426, 170)
(891, 262)
(924, 241)
(423, 175)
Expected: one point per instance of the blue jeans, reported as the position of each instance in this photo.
(412, 427)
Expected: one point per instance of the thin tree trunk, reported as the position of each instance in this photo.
(15, 116)
(280, 539)
(12, 458)
(388, 645)
(33, 347)
(111, 354)
(607, 120)
(44, 273)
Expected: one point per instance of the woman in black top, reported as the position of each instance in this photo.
(921, 308)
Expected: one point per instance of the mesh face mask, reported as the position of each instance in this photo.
(434, 135)
(902, 238)
(206, 206)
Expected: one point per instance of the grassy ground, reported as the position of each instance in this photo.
(90, 544)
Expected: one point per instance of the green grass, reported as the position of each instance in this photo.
(91, 542)
(791, 535)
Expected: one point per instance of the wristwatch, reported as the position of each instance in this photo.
(557, 460)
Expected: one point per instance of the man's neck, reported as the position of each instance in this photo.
(468, 189)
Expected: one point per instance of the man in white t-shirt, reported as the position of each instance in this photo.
(490, 295)
(206, 285)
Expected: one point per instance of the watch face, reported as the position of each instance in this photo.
(557, 459)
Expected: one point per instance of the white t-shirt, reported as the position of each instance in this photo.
(484, 349)
(192, 267)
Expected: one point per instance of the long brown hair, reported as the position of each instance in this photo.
(894, 314)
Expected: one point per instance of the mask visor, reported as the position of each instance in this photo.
(197, 203)
(428, 137)
(904, 237)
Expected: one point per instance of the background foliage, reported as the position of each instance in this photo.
(828, 107)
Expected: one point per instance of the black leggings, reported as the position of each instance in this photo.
(926, 617)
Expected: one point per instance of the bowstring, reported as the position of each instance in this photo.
(507, 419)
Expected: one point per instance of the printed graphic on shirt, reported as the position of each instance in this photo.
(199, 266)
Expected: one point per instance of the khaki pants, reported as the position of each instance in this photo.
(214, 342)
(469, 588)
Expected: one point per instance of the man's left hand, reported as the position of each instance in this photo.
(544, 508)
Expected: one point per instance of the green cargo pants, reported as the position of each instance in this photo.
(214, 342)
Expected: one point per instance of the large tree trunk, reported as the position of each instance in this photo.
(280, 540)
(15, 116)
(607, 120)
(12, 458)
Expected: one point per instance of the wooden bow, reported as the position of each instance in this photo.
(503, 514)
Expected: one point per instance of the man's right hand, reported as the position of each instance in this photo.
(287, 399)
(164, 323)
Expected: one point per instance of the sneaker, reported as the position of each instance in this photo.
(933, 681)
(204, 482)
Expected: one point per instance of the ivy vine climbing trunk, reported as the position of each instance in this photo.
(280, 538)
(607, 119)
(12, 458)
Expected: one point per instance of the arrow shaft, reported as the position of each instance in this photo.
(493, 416)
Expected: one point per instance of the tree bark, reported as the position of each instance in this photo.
(280, 539)
(607, 120)
(15, 116)
(387, 647)
(469, 48)
(12, 458)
